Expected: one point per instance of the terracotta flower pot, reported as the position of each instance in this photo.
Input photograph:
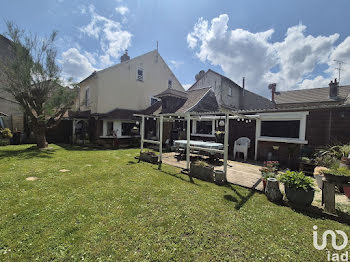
(345, 162)
(347, 191)
(264, 183)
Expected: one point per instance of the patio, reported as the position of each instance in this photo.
(238, 173)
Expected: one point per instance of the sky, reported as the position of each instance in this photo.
(291, 43)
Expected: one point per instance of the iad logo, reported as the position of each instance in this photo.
(330, 256)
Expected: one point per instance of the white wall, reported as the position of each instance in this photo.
(117, 127)
(92, 104)
(220, 88)
(118, 87)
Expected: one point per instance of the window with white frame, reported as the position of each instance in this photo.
(110, 128)
(140, 74)
(127, 128)
(230, 91)
(285, 129)
(289, 127)
(170, 83)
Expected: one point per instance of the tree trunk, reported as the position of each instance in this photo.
(40, 135)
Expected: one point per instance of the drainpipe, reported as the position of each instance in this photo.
(329, 126)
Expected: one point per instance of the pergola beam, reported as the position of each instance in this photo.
(188, 136)
(188, 117)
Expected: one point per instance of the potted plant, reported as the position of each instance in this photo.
(219, 136)
(337, 175)
(149, 156)
(270, 170)
(345, 158)
(299, 188)
(5, 136)
(202, 170)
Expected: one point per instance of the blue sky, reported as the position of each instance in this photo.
(292, 43)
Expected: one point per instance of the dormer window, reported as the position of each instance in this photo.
(170, 83)
(140, 74)
(153, 100)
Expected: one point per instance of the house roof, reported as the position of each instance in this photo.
(314, 95)
(172, 92)
(118, 113)
(251, 100)
(193, 98)
(254, 101)
(79, 114)
(296, 107)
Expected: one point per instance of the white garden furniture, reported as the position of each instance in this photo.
(241, 146)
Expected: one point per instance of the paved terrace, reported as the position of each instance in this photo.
(238, 173)
(248, 175)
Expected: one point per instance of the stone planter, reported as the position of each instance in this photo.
(272, 190)
(319, 180)
(4, 141)
(219, 177)
(202, 172)
(337, 179)
(149, 157)
(299, 196)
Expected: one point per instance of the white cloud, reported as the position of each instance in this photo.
(76, 65)
(122, 9)
(113, 38)
(290, 62)
(175, 64)
(186, 86)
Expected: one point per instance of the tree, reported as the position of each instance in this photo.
(32, 77)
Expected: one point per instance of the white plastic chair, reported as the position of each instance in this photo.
(241, 146)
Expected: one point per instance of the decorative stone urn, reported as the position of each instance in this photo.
(219, 177)
(272, 190)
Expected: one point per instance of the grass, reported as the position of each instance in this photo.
(109, 207)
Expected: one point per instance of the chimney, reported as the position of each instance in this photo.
(199, 75)
(333, 89)
(125, 57)
(272, 87)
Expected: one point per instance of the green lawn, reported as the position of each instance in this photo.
(109, 207)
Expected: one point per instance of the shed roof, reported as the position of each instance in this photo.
(193, 98)
(314, 95)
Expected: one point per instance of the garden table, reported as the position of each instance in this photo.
(211, 145)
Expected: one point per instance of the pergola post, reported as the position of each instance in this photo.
(73, 136)
(227, 124)
(257, 134)
(188, 136)
(160, 141)
(142, 131)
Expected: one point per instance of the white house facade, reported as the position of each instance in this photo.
(113, 95)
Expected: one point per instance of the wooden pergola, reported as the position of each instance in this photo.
(188, 117)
